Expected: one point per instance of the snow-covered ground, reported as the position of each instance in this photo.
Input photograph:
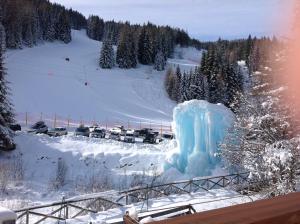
(91, 165)
(42, 80)
(201, 201)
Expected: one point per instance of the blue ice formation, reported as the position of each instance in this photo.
(199, 129)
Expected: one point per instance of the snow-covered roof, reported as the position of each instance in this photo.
(130, 131)
(115, 130)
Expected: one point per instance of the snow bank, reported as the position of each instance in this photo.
(6, 215)
(199, 127)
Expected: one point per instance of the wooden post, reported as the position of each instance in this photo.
(127, 202)
(67, 211)
(68, 121)
(26, 118)
(27, 217)
(55, 120)
(161, 129)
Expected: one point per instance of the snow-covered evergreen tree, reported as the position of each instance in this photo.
(264, 139)
(107, 59)
(63, 28)
(145, 49)
(160, 61)
(6, 111)
(126, 50)
(95, 28)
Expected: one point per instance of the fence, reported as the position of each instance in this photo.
(56, 120)
(94, 203)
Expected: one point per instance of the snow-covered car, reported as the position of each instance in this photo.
(38, 128)
(7, 216)
(59, 131)
(82, 131)
(115, 134)
(98, 133)
(92, 128)
(129, 136)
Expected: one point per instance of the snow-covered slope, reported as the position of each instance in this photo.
(42, 80)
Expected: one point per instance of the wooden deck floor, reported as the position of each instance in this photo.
(279, 210)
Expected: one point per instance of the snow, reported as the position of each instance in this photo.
(6, 214)
(186, 58)
(43, 81)
(113, 164)
(201, 201)
(199, 128)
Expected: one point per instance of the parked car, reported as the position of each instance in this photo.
(6, 145)
(82, 131)
(98, 133)
(15, 127)
(39, 128)
(7, 216)
(115, 134)
(129, 136)
(59, 131)
(143, 132)
(150, 138)
(167, 136)
(93, 127)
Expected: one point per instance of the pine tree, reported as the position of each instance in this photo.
(95, 28)
(126, 50)
(12, 24)
(145, 49)
(160, 61)
(50, 31)
(107, 59)
(63, 28)
(176, 85)
(199, 87)
(6, 111)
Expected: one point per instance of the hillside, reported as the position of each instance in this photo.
(42, 80)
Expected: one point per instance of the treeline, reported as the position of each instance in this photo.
(27, 22)
(219, 78)
(148, 44)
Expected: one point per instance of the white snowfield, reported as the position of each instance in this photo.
(42, 80)
(106, 163)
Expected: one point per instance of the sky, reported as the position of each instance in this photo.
(202, 19)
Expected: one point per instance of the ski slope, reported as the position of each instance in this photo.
(42, 80)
